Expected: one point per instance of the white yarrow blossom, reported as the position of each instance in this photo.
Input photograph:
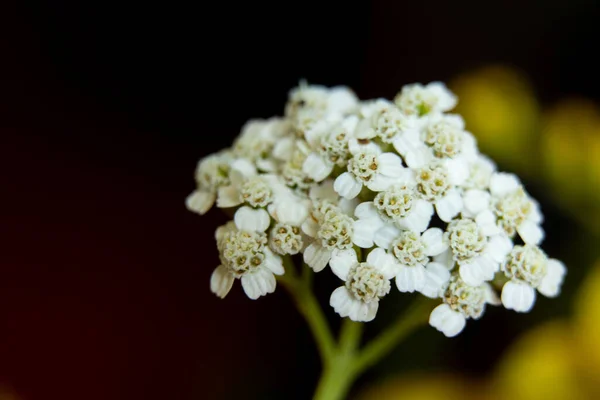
(376, 190)
(528, 268)
(461, 302)
(366, 283)
(245, 255)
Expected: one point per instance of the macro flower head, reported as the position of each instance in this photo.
(390, 195)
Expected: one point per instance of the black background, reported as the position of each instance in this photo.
(105, 109)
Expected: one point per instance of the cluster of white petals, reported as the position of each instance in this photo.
(376, 190)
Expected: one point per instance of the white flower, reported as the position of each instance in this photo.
(290, 212)
(412, 251)
(477, 251)
(366, 284)
(292, 171)
(515, 210)
(375, 170)
(386, 122)
(244, 255)
(325, 191)
(331, 229)
(528, 269)
(246, 186)
(379, 220)
(330, 149)
(337, 100)
(434, 185)
(481, 169)
(257, 139)
(212, 172)
(461, 301)
(419, 100)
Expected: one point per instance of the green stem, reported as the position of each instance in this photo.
(416, 315)
(309, 307)
(339, 374)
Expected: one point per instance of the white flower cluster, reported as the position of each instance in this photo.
(377, 190)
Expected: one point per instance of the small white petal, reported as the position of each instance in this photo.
(221, 281)
(310, 227)
(433, 239)
(419, 157)
(342, 261)
(348, 206)
(292, 211)
(315, 167)
(438, 277)
(486, 221)
(240, 170)
(380, 183)
(355, 147)
(364, 130)
(284, 148)
(268, 165)
(530, 232)
(449, 206)
(385, 235)
(518, 296)
(458, 170)
(390, 165)
(249, 219)
(447, 321)
(346, 305)
(366, 210)
(364, 232)
(478, 270)
(273, 262)
(551, 283)
(258, 283)
(228, 196)
(317, 256)
(498, 247)
(502, 183)
(410, 279)
(347, 186)
(446, 259)
(383, 262)
(200, 201)
(418, 219)
(475, 201)
(323, 191)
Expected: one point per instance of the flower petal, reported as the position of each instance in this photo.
(410, 279)
(478, 270)
(364, 232)
(498, 247)
(458, 170)
(502, 183)
(228, 196)
(551, 283)
(390, 165)
(366, 210)
(433, 239)
(385, 235)
(347, 186)
(438, 277)
(486, 221)
(258, 283)
(383, 262)
(420, 216)
(447, 321)
(200, 201)
(341, 262)
(273, 262)
(221, 281)
(446, 259)
(449, 206)
(518, 296)
(315, 167)
(252, 220)
(317, 256)
(344, 303)
(475, 201)
(530, 232)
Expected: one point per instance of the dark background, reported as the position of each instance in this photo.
(105, 108)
